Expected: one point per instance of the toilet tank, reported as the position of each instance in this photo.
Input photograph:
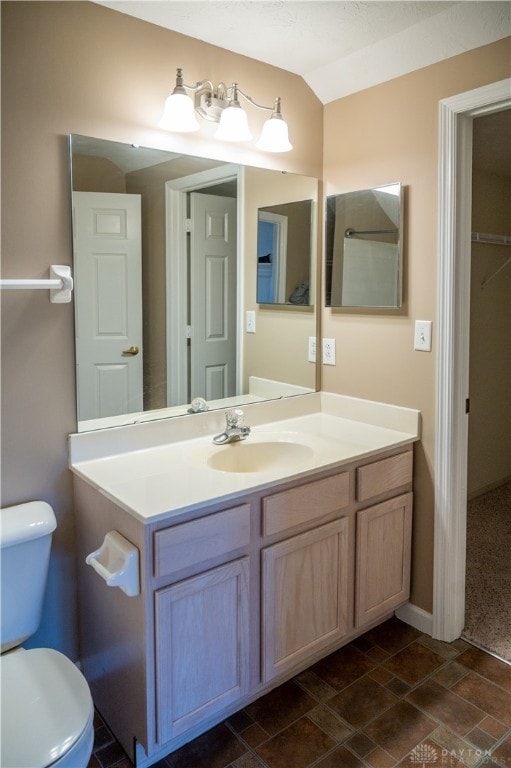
(25, 541)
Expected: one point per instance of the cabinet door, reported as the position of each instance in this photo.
(201, 647)
(383, 558)
(305, 596)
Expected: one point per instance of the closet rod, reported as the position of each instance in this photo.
(60, 284)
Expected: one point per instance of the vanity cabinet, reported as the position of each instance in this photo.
(383, 537)
(383, 558)
(239, 597)
(201, 622)
(305, 598)
(201, 631)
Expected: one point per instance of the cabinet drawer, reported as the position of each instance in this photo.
(307, 503)
(384, 476)
(189, 544)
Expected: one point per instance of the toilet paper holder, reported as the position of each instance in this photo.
(116, 561)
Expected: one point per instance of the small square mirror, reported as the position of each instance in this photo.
(363, 246)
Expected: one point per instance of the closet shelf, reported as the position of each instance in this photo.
(488, 239)
(60, 284)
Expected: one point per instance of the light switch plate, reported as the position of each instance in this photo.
(250, 321)
(422, 335)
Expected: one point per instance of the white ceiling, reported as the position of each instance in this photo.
(337, 47)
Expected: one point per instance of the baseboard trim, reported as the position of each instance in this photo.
(487, 488)
(416, 617)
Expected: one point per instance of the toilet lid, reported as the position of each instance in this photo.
(46, 706)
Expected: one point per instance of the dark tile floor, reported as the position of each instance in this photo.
(393, 697)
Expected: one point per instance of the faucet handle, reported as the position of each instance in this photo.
(198, 405)
(234, 418)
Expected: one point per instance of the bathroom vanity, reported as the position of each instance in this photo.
(250, 572)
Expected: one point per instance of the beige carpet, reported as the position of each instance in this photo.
(488, 575)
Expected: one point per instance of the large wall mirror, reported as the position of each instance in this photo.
(363, 245)
(165, 267)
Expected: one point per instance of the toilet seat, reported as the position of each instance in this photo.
(46, 707)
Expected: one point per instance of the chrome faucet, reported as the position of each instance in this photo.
(235, 429)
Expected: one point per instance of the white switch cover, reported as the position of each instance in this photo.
(422, 336)
(328, 351)
(250, 321)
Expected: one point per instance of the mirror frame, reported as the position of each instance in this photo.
(396, 284)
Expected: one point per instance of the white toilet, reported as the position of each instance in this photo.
(46, 706)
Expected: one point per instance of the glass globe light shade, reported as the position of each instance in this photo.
(233, 125)
(179, 114)
(274, 136)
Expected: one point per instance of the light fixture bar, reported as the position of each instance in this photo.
(220, 104)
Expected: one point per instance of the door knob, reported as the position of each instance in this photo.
(131, 351)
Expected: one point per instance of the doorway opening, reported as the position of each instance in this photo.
(453, 316)
(488, 566)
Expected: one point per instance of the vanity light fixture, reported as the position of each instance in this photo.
(220, 104)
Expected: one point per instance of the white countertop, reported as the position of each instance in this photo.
(157, 478)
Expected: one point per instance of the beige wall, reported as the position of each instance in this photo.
(489, 444)
(73, 67)
(384, 134)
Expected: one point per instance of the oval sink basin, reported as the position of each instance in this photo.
(258, 457)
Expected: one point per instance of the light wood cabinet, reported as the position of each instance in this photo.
(307, 503)
(384, 476)
(240, 596)
(201, 629)
(383, 549)
(305, 582)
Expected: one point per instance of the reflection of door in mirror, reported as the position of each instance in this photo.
(201, 275)
(213, 305)
(271, 257)
(107, 263)
(284, 237)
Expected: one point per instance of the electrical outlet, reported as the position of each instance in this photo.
(422, 335)
(312, 349)
(250, 321)
(328, 351)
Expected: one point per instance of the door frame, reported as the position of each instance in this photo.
(176, 273)
(453, 316)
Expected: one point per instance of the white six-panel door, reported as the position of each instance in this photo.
(108, 303)
(213, 288)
